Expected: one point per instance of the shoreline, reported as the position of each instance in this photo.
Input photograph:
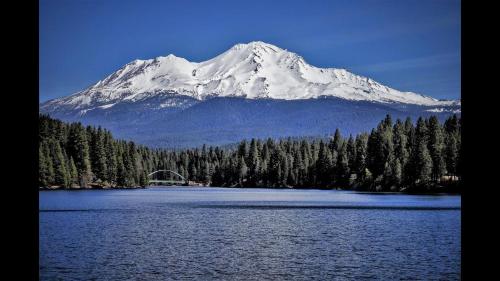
(86, 188)
(436, 193)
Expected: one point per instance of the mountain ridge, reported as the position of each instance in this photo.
(252, 70)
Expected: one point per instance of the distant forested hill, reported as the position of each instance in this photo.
(219, 121)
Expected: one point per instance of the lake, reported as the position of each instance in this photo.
(174, 233)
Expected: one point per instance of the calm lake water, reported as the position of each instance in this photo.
(179, 233)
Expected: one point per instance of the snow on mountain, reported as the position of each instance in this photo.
(254, 70)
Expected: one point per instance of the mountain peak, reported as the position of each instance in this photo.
(255, 46)
(172, 56)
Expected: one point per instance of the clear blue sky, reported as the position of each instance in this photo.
(408, 45)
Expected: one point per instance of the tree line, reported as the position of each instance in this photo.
(394, 156)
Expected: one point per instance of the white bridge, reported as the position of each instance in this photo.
(153, 179)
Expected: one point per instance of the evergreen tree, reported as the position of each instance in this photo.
(98, 155)
(397, 176)
(342, 167)
(253, 163)
(121, 173)
(243, 149)
(361, 154)
(436, 148)
(61, 176)
(143, 179)
(73, 173)
(112, 162)
(43, 168)
(422, 157)
(275, 174)
(336, 142)
(324, 166)
(351, 154)
(400, 140)
(79, 150)
(452, 145)
(451, 154)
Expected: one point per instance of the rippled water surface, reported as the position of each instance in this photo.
(247, 234)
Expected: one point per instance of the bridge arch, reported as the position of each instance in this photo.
(171, 181)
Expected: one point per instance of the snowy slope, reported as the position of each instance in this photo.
(254, 70)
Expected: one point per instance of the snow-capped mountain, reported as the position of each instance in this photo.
(146, 93)
(253, 70)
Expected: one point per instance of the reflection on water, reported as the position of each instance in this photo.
(247, 234)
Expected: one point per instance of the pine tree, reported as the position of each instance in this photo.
(73, 173)
(452, 144)
(285, 170)
(79, 150)
(121, 173)
(336, 142)
(253, 163)
(422, 157)
(424, 166)
(387, 139)
(50, 174)
(372, 150)
(351, 154)
(98, 155)
(243, 149)
(451, 154)
(61, 176)
(42, 168)
(143, 179)
(397, 170)
(400, 140)
(324, 166)
(388, 175)
(342, 167)
(436, 148)
(275, 169)
(112, 162)
(307, 161)
(361, 153)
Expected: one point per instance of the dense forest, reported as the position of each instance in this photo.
(394, 156)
